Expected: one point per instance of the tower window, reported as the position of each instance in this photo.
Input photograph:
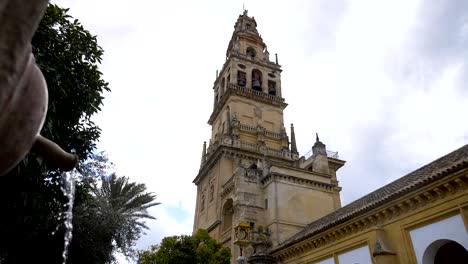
(241, 78)
(257, 80)
(266, 203)
(211, 194)
(228, 79)
(251, 52)
(202, 205)
(271, 88)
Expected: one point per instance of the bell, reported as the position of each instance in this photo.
(272, 91)
(256, 84)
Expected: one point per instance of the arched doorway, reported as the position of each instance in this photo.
(445, 251)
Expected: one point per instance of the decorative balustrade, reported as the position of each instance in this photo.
(330, 154)
(256, 93)
(252, 129)
(275, 153)
(249, 146)
(272, 134)
(247, 128)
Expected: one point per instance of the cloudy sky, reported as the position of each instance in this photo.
(384, 83)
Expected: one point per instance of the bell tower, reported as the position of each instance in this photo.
(251, 172)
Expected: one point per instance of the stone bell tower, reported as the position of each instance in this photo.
(250, 171)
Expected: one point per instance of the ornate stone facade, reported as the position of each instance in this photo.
(250, 171)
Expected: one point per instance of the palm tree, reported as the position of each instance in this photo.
(123, 207)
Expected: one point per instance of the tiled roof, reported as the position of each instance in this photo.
(425, 175)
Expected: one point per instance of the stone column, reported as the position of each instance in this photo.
(264, 81)
(248, 76)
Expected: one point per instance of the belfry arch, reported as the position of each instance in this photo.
(257, 80)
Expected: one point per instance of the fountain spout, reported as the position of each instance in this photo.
(23, 90)
(54, 155)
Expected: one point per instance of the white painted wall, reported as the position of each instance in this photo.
(326, 261)
(431, 237)
(357, 256)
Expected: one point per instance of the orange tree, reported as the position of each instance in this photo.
(199, 248)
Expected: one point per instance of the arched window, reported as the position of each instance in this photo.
(271, 88)
(228, 211)
(250, 52)
(445, 251)
(241, 78)
(257, 80)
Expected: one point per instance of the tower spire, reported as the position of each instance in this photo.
(203, 158)
(293, 140)
(319, 147)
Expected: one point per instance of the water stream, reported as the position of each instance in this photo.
(68, 189)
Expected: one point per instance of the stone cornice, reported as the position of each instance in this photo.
(301, 170)
(297, 180)
(378, 216)
(270, 65)
(237, 205)
(218, 149)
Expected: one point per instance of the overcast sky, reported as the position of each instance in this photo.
(384, 83)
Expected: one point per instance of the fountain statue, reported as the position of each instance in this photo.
(23, 90)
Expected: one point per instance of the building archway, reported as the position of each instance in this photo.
(445, 251)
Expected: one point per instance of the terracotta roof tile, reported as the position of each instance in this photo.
(456, 160)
